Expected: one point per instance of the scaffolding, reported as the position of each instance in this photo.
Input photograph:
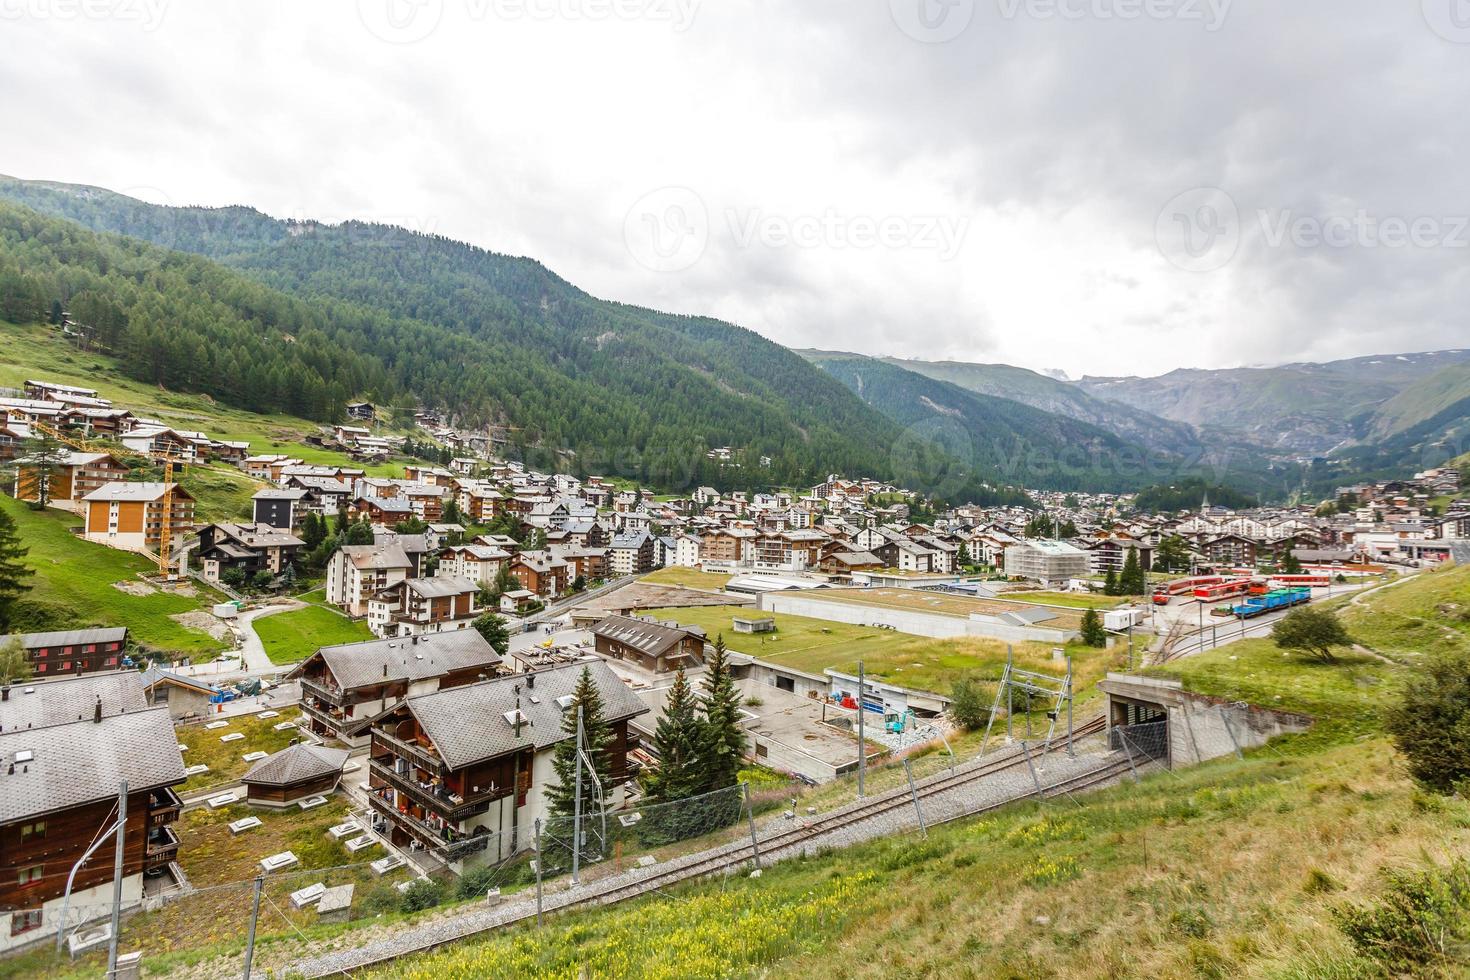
(1032, 685)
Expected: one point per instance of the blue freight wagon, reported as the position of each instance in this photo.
(1271, 602)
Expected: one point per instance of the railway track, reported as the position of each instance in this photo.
(776, 846)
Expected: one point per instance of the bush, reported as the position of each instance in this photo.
(1429, 721)
(1423, 920)
(422, 895)
(475, 883)
(969, 703)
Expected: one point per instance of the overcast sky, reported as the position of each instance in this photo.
(1097, 186)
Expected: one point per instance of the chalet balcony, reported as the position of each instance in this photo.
(436, 798)
(164, 807)
(416, 754)
(335, 721)
(317, 689)
(439, 848)
(162, 846)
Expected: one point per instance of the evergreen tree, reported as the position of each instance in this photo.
(44, 455)
(722, 740)
(562, 797)
(1290, 564)
(1132, 580)
(313, 531)
(1110, 583)
(13, 569)
(1093, 633)
(504, 581)
(676, 742)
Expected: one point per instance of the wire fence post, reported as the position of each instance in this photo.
(540, 859)
(1127, 751)
(1234, 742)
(254, 917)
(577, 808)
(914, 792)
(755, 847)
(117, 877)
(862, 735)
(1026, 754)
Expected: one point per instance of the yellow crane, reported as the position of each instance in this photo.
(81, 445)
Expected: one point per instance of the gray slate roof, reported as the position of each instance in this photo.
(38, 704)
(83, 762)
(62, 638)
(296, 764)
(357, 665)
(467, 724)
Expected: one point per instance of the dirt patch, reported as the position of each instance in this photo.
(134, 587)
(203, 621)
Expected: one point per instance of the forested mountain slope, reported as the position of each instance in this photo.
(306, 316)
(1000, 435)
(1060, 398)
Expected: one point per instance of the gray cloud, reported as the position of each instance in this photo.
(1055, 140)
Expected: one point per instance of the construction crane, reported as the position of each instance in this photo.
(64, 438)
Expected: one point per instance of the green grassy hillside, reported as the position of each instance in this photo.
(76, 584)
(1236, 868)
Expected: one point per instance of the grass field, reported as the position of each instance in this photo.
(924, 663)
(295, 635)
(74, 578)
(1430, 614)
(1072, 600)
(689, 578)
(225, 759)
(938, 603)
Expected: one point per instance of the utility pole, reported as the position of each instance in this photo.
(577, 807)
(862, 740)
(254, 917)
(540, 858)
(117, 877)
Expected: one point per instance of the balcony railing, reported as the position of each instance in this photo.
(436, 841)
(162, 846)
(437, 798)
(416, 753)
(164, 806)
(317, 689)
